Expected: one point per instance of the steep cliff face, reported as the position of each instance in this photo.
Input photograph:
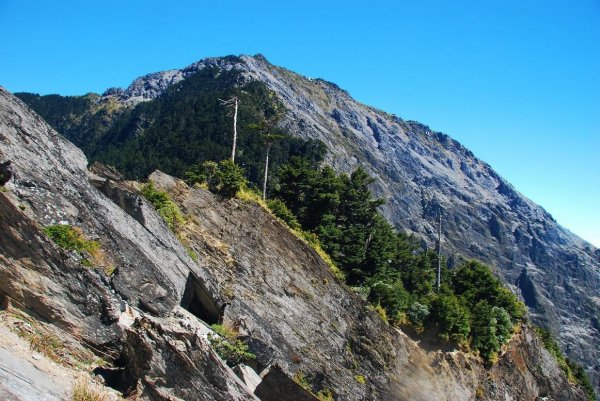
(422, 173)
(96, 309)
(150, 317)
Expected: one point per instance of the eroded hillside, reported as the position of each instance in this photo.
(147, 305)
(421, 173)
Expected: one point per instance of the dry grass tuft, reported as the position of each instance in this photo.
(82, 391)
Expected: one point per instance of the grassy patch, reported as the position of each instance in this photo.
(39, 340)
(246, 194)
(166, 208)
(43, 340)
(82, 391)
(176, 220)
(191, 253)
(72, 239)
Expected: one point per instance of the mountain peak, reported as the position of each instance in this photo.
(421, 173)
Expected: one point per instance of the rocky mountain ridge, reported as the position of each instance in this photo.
(422, 173)
(150, 314)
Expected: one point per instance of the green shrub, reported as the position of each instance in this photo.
(417, 313)
(452, 318)
(227, 344)
(229, 179)
(488, 333)
(325, 395)
(165, 207)
(201, 173)
(390, 295)
(280, 210)
(574, 372)
(82, 391)
(581, 378)
(70, 238)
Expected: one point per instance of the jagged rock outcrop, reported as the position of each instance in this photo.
(52, 184)
(269, 285)
(422, 173)
(152, 267)
(295, 313)
(173, 362)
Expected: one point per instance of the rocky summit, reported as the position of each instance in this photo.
(144, 316)
(422, 174)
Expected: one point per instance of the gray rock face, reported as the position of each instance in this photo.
(276, 385)
(256, 277)
(173, 362)
(153, 85)
(52, 183)
(294, 313)
(422, 173)
(152, 268)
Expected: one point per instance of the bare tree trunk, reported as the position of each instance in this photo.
(235, 111)
(439, 254)
(266, 174)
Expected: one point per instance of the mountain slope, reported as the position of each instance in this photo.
(420, 173)
(148, 316)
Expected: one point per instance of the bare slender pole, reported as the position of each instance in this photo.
(266, 173)
(235, 111)
(232, 102)
(439, 256)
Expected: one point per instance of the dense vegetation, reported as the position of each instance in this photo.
(81, 119)
(471, 308)
(338, 213)
(185, 126)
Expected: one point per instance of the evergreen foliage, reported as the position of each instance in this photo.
(472, 307)
(81, 119)
(279, 209)
(230, 348)
(165, 207)
(228, 179)
(224, 178)
(185, 126)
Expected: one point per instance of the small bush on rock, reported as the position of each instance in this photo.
(229, 347)
(165, 207)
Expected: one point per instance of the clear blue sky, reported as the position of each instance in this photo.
(516, 81)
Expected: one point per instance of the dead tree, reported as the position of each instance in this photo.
(269, 139)
(232, 103)
(439, 254)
